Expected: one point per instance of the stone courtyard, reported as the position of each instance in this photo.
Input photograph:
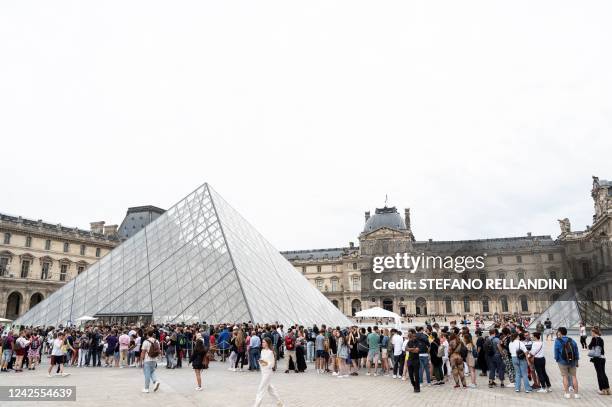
(122, 387)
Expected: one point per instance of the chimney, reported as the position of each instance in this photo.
(351, 245)
(528, 234)
(367, 215)
(97, 227)
(110, 230)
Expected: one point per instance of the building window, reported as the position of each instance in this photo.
(466, 304)
(63, 272)
(80, 269)
(318, 269)
(44, 274)
(25, 268)
(66, 247)
(319, 283)
(521, 275)
(504, 303)
(485, 304)
(500, 260)
(448, 304)
(303, 269)
(334, 268)
(82, 251)
(551, 257)
(334, 284)
(553, 274)
(48, 244)
(586, 270)
(97, 252)
(7, 238)
(28, 241)
(354, 266)
(502, 276)
(356, 283)
(519, 259)
(482, 277)
(524, 303)
(3, 266)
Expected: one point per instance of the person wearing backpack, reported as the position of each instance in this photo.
(567, 356)
(290, 350)
(150, 351)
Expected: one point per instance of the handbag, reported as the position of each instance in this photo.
(595, 352)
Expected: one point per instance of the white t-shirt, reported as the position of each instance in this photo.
(516, 345)
(146, 345)
(137, 343)
(23, 342)
(583, 331)
(268, 356)
(398, 344)
(57, 347)
(537, 349)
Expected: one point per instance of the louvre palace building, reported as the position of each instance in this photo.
(345, 275)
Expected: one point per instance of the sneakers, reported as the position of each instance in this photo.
(368, 374)
(395, 376)
(49, 375)
(198, 389)
(577, 396)
(335, 374)
(542, 390)
(567, 395)
(65, 374)
(472, 386)
(156, 386)
(145, 390)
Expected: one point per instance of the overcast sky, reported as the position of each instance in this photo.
(486, 118)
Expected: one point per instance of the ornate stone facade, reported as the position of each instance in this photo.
(36, 258)
(570, 256)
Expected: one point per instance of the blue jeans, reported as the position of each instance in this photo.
(310, 351)
(149, 373)
(496, 365)
(520, 371)
(424, 365)
(254, 354)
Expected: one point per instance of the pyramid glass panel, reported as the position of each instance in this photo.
(199, 261)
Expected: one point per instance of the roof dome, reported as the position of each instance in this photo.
(385, 218)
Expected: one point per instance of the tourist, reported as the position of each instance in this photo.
(170, 350)
(197, 360)
(458, 353)
(567, 356)
(124, 347)
(240, 349)
(310, 348)
(493, 351)
(83, 353)
(518, 352)
(471, 357)
(8, 344)
(436, 352)
(423, 341)
(290, 351)
(583, 335)
(413, 359)
(353, 344)
(266, 362)
(548, 329)
(254, 351)
(58, 355)
(150, 351)
(598, 358)
(34, 351)
(343, 354)
(319, 356)
(384, 351)
(398, 353)
(539, 362)
(373, 351)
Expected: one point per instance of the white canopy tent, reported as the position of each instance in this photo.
(378, 312)
(85, 318)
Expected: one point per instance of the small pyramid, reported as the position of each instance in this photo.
(199, 261)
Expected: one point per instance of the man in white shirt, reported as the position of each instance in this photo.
(398, 361)
(150, 360)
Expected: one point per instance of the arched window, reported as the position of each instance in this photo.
(466, 304)
(503, 300)
(485, 304)
(524, 303)
(448, 305)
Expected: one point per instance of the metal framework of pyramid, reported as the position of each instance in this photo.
(200, 261)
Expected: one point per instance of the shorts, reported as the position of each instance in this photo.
(567, 370)
(384, 353)
(7, 354)
(547, 331)
(57, 360)
(109, 353)
(320, 354)
(373, 355)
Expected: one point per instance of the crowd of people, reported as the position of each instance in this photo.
(506, 352)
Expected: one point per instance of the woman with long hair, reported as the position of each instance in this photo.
(197, 360)
(240, 350)
(597, 355)
(472, 356)
(343, 355)
(266, 362)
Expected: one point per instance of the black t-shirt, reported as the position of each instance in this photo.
(413, 343)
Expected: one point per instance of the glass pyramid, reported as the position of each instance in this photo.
(200, 261)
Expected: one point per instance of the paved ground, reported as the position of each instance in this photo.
(122, 387)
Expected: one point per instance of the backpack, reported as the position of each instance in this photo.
(289, 343)
(463, 351)
(489, 349)
(474, 352)
(17, 345)
(568, 350)
(154, 350)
